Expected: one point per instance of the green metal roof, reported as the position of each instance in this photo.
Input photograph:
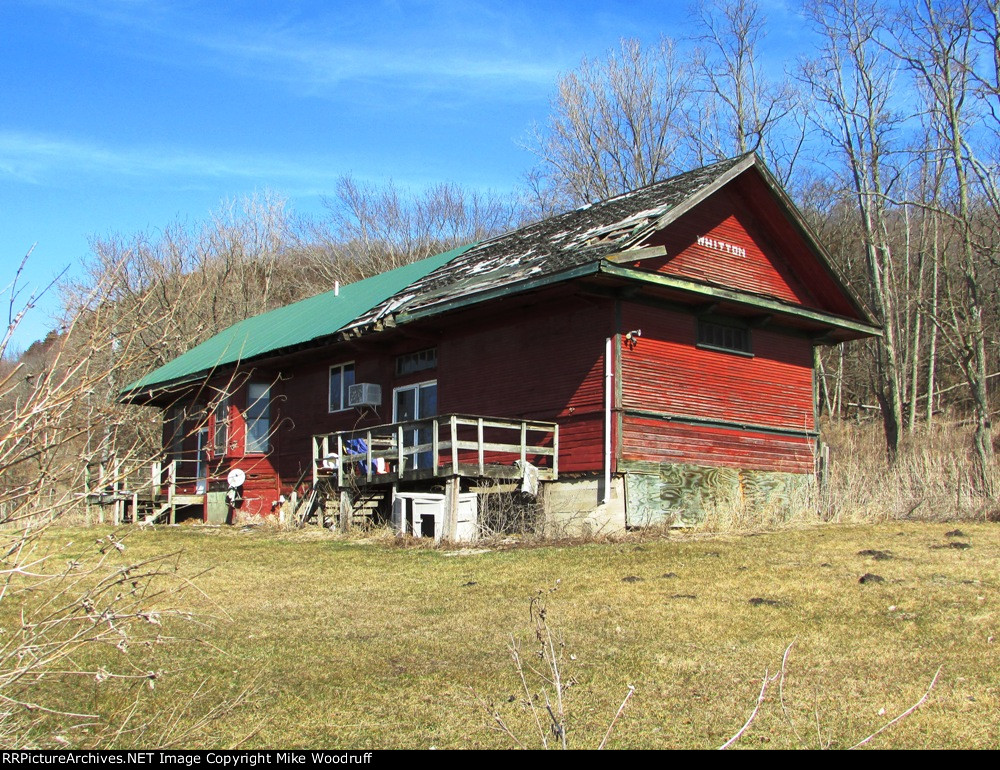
(294, 324)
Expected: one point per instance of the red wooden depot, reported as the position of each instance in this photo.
(643, 359)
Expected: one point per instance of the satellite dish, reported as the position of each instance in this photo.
(236, 477)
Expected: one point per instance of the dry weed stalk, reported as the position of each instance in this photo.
(779, 677)
(544, 684)
(547, 704)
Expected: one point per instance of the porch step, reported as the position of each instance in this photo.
(151, 517)
(368, 506)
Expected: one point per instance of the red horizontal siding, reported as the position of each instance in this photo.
(666, 372)
(653, 440)
(764, 268)
(545, 365)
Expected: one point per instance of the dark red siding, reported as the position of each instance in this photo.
(666, 372)
(304, 408)
(659, 441)
(542, 365)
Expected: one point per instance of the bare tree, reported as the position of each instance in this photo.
(376, 227)
(616, 124)
(851, 81)
(938, 43)
(79, 613)
(740, 109)
(147, 298)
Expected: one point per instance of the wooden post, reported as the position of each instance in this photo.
(479, 437)
(454, 444)
(340, 461)
(555, 452)
(119, 514)
(449, 526)
(345, 511)
(399, 452)
(368, 456)
(100, 490)
(435, 448)
(88, 487)
(171, 489)
(155, 479)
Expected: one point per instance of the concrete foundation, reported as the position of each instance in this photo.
(671, 495)
(576, 507)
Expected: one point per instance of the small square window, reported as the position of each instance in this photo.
(416, 362)
(724, 336)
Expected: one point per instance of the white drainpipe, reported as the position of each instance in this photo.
(608, 389)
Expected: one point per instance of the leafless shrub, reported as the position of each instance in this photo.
(542, 673)
(72, 612)
(931, 478)
(505, 510)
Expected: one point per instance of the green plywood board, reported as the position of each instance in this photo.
(295, 324)
(217, 511)
(672, 494)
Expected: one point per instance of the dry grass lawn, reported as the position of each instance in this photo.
(347, 643)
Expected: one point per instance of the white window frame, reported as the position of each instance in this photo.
(220, 427)
(262, 402)
(344, 406)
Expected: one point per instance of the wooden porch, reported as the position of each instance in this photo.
(136, 489)
(450, 445)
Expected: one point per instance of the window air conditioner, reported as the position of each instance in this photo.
(364, 394)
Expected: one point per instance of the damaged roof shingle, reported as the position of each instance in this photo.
(554, 245)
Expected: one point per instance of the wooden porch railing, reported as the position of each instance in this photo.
(445, 445)
(125, 481)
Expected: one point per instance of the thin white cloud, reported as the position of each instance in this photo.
(299, 60)
(459, 47)
(38, 159)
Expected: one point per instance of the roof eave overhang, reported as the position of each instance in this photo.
(712, 293)
(790, 209)
(155, 392)
(519, 287)
(609, 266)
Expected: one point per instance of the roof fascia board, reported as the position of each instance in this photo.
(693, 200)
(519, 287)
(738, 297)
(635, 255)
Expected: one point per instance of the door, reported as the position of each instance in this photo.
(416, 402)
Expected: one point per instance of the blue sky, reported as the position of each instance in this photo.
(124, 115)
